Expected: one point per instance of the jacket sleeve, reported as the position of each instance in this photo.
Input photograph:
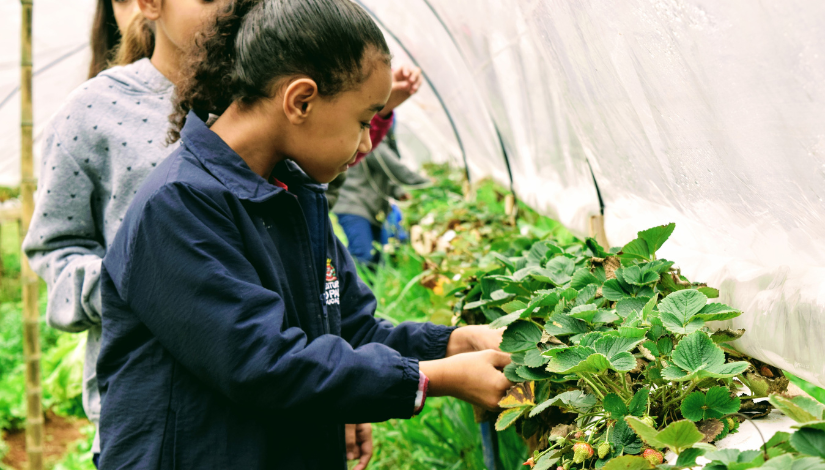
(423, 341)
(187, 279)
(63, 245)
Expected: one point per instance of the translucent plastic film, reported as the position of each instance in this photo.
(61, 62)
(710, 114)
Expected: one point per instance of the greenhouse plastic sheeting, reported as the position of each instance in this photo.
(710, 114)
(60, 45)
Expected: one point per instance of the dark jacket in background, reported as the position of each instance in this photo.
(236, 332)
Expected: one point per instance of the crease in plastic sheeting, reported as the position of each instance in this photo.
(549, 169)
(444, 65)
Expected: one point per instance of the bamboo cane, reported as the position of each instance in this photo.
(31, 339)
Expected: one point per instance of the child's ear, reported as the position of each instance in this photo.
(299, 99)
(150, 8)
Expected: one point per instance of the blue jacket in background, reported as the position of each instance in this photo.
(236, 332)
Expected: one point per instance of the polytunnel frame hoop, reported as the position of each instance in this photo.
(490, 114)
(429, 82)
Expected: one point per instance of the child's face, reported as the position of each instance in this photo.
(337, 128)
(124, 10)
(180, 20)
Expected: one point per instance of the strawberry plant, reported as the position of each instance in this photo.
(612, 355)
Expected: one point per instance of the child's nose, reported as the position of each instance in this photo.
(366, 143)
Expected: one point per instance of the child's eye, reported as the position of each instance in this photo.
(366, 125)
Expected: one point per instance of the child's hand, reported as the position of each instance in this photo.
(406, 81)
(473, 377)
(359, 444)
(474, 338)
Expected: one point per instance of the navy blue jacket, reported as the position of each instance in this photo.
(236, 332)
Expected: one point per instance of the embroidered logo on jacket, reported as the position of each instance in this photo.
(331, 288)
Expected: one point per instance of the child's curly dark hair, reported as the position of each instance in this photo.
(253, 43)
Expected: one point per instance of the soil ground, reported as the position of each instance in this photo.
(59, 434)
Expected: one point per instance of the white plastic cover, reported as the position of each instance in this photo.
(710, 114)
(61, 51)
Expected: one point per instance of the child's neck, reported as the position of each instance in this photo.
(251, 135)
(167, 58)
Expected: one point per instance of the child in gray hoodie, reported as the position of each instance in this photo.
(97, 150)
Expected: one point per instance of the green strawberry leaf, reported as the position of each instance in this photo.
(624, 439)
(514, 306)
(697, 357)
(678, 436)
(533, 358)
(640, 277)
(800, 409)
(657, 236)
(613, 404)
(638, 404)
(510, 372)
(717, 312)
(647, 433)
(583, 277)
(520, 336)
(505, 320)
(726, 335)
(613, 345)
(508, 417)
(629, 305)
(535, 374)
(575, 399)
(505, 261)
(715, 404)
(665, 345)
(628, 462)
(808, 463)
(595, 249)
(636, 249)
(612, 290)
(709, 292)
(605, 316)
(584, 359)
(810, 442)
(560, 270)
(560, 325)
(678, 311)
(585, 312)
(587, 295)
(688, 457)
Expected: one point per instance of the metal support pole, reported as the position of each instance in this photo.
(31, 316)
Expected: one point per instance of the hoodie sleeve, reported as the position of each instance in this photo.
(423, 341)
(202, 299)
(62, 244)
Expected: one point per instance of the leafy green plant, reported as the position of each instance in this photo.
(611, 348)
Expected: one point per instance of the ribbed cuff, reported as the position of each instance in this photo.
(437, 339)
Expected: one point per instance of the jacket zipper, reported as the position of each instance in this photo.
(313, 276)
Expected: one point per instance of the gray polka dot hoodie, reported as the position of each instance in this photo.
(97, 150)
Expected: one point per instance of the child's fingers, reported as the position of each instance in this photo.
(353, 451)
(365, 439)
(498, 359)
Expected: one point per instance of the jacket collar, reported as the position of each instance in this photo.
(224, 163)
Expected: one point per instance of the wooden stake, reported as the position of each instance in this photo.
(597, 231)
(31, 316)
